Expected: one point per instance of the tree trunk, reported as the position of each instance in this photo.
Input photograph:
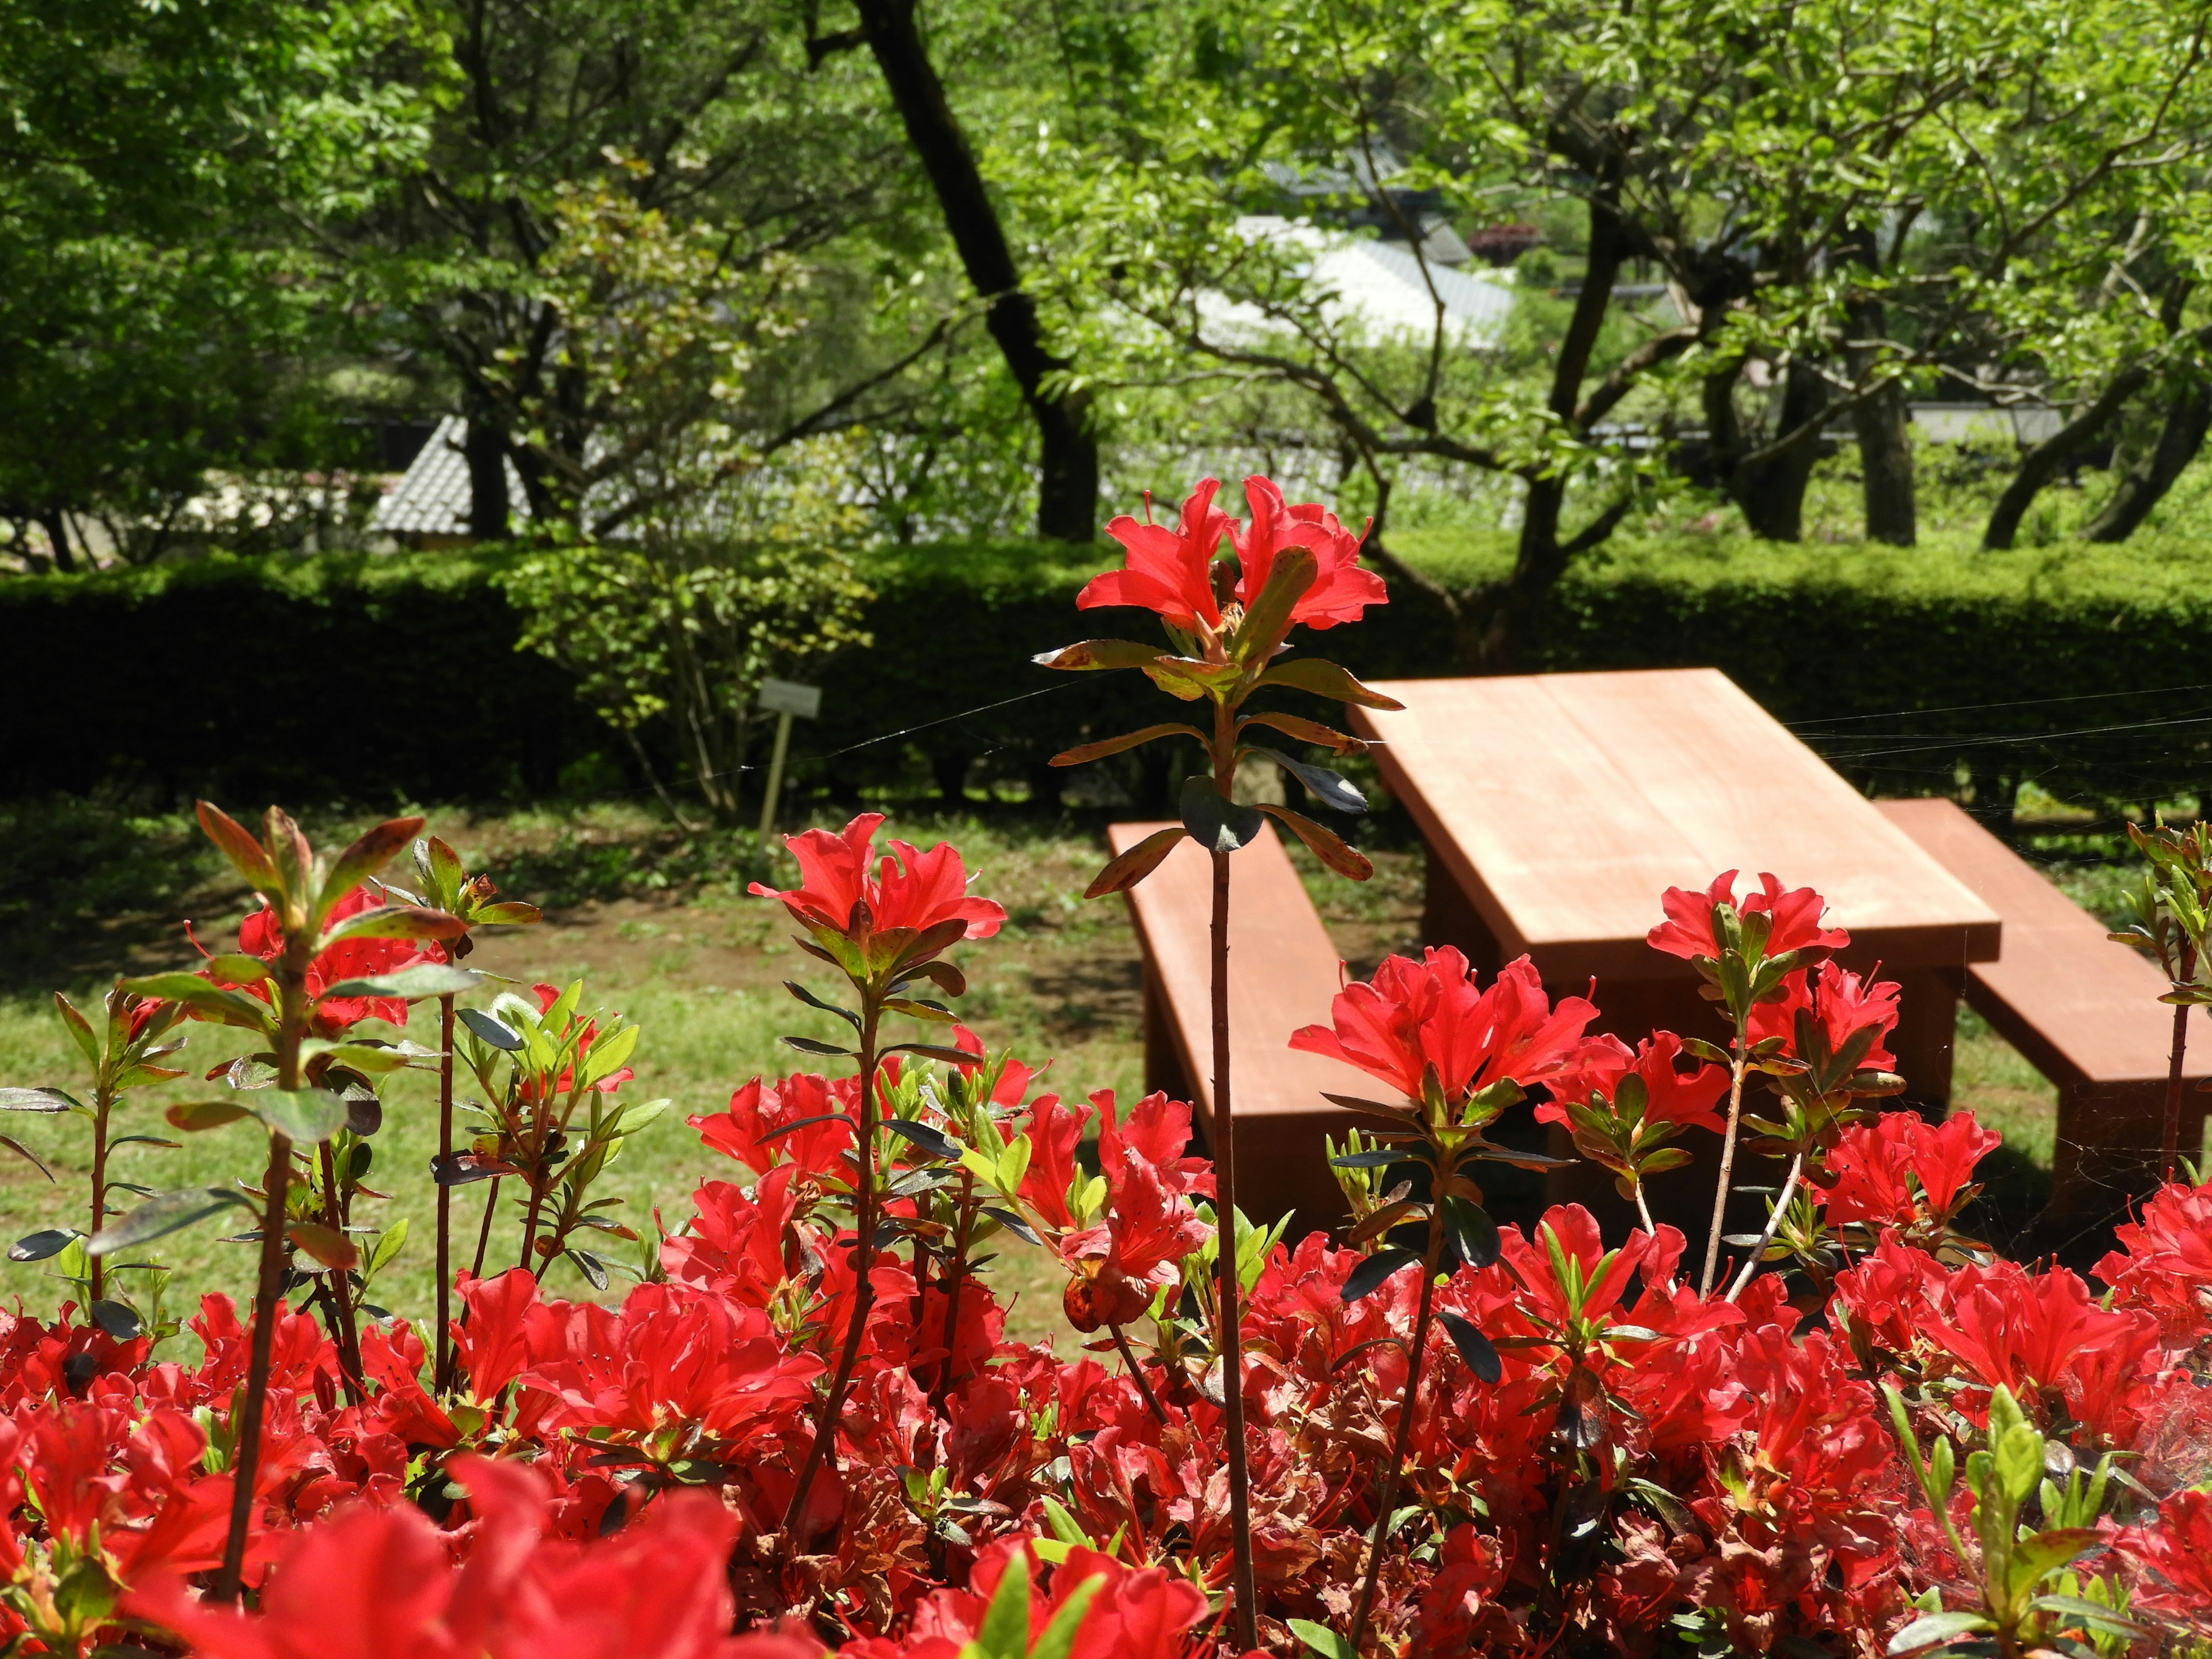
(484, 448)
(2042, 463)
(57, 528)
(1541, 558)
(1772, 495)
(1882, 422)
(1067, 485)
(2145, 483)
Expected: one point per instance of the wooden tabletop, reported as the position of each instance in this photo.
(1563, 804)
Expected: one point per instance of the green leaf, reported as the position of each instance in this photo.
(2095, 1614)
(1367, 1278)
(1324, 844)
(386, 1250)
(246, 852)
(1931, 1628)
(1190, 680)
(1320, 1639)
(1474, 1346)
(1214, 821)
(1129, 868)
(2045, 1552)
(326, 1244)
(1472, 1230)
(424, 979)
(509, 912)
(166, 1214)
(37, 1246)
(1057, 1639)
(80, 1027)
(809, 1046)
(306, 1117)
(1306, 731)
(931, 1140)
(1326, 679)
(44, 1101)
(1331, 788)
(370, 853)
(1100, 653)
(2019, 1461)
(208, 1000)
(1084, 753)
(489, 1030)
(934, 1051)
(236, 968)
(194, 1115)
(393, 921)
(117, 1319)
(1005, 1630)
(813, 1001)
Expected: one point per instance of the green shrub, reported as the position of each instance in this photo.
(1913, 670)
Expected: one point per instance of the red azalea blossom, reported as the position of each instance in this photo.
(1415, 1014)
(1842, 1005)
(1878, 1164)
(1675, 1096)
(1795, 925)
(907, 889)
(260, 935)
(1340, 590)
(2165, 1259)
(1167, 571)
(1149, 1225)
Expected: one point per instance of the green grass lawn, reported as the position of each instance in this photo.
(656, 922)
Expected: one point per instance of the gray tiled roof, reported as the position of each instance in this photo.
(432, 497)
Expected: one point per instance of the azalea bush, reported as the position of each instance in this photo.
(784, 1419)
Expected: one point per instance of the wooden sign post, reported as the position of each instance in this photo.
(783, 699)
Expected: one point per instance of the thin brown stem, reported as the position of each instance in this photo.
(344, 1332)
(863, 1262)
(103, 1103)
(1727, 1167)
(1773, 1225)
(955, 1271)
(1230, 1340)
(246, 1459)
(1406, 1404)
(441, 1371)
(2170, 1143)
(483, 1235)
(1137, 1375)
(1644, 1209)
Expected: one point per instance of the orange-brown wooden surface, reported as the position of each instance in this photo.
(2080, 1008)
(1283, 974)
(1563, 804)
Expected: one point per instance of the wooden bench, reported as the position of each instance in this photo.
(1283, 974)
(2083, 1011)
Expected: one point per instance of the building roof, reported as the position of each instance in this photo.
(432, 496)
(1373, 288)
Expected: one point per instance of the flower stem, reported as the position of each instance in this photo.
(1404, 1438)
(2171, 1145)
(441, 1373)
(1230, 1340)
(103, 1103)
(245, 1457)
(1644, 1209)
(863, 1262)
(955, 1271)
(1728, 1165)
(1137, 1375)
(1773, 1225)
(346, 1332)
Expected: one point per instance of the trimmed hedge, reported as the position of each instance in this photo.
(395, 677)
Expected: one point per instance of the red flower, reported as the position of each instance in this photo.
(1150, 1225)
(2165, 1259)
(261, 935)
(909, 889)
(2019, 1329)
(1167, 571)
(2178, 1546)
(1412, 1015)
(1340, 590)
(755, 1130)
(1842, 1005)
(1795, 925)
(1877, 1163)
(1675, 1096)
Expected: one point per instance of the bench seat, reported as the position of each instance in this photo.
(1283, 974)
(2081, 1010)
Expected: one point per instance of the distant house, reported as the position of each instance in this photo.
(428, 507)
(1375, 289)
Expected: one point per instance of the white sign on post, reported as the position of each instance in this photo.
(783, 699)
(789, 697)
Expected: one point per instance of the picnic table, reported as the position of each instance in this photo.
(1555, 809)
